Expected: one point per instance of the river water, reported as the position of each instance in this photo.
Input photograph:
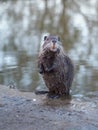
(22, 25)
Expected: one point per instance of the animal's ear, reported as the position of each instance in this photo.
(58, 38)
(45, 38)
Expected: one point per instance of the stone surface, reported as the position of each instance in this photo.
(27, 111)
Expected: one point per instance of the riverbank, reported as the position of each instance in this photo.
(27, 111)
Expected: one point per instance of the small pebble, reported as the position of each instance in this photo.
(34, 99)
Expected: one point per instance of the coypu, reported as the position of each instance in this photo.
(55, 66)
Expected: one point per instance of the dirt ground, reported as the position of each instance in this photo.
(27, 111)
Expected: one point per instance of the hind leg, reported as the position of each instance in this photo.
(53, 96)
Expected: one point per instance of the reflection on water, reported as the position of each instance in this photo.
(19, 70)
(22, 23)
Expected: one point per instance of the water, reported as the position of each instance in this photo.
(23, 23)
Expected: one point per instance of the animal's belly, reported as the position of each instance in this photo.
(54, 80)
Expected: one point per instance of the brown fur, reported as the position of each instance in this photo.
(55, 66)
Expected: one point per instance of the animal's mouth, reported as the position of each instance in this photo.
(53, 46)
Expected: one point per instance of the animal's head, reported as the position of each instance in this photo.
(51, 43)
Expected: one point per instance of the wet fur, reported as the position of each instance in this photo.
(56, 68)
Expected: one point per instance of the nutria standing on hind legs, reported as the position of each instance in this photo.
(55, 66)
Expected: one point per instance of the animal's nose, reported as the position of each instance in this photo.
(54, 41)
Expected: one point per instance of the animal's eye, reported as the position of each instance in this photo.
(47, 39)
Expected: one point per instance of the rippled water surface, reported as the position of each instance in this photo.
(23, 23)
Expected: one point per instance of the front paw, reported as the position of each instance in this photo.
(49, 69)
(41, 71)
